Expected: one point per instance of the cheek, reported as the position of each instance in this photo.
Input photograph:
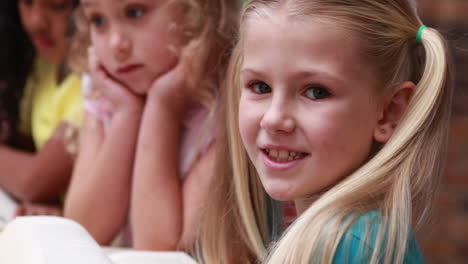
(158, 42)
(349, 143)
(249, 121)
(102, 50)
(158, 54)
(244, 121)
(24, 13)
(338, 133)
(60, 26)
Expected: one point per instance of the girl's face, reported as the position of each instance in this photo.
(308, 110)
(47, 23)
(134, 40)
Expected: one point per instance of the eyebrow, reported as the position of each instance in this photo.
(251, 71)
(298, 75)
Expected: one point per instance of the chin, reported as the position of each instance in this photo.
(139, 88)
(279, 196)
(279, 191)
(139, 91)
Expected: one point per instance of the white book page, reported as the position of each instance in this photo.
(7, 208)
(147, 257)
(48, 240)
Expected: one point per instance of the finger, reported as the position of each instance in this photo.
(26, 207)
(177, 74)
(20, 211)
(108, 86)
(41, 210)
(92, 59)
(33, 210)
(28, 211)
(94, 69)
(111, 88)
(104, 83)
(98, 73)
(57, 212)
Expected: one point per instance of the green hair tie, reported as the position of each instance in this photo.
(419, 35)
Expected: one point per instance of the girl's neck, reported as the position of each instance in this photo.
(62, 72)
(303, 203)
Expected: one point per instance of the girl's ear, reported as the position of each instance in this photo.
(393, 111)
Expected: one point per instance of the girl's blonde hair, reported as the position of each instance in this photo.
(398, 181)
(208, 27)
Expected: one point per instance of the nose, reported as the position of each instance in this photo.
(120, 46)
(278, 118)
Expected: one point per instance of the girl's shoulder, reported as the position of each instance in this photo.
(360, 239)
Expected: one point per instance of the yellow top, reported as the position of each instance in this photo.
(45, 104)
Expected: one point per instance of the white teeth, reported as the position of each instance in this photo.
(273, 153)
(283, 155)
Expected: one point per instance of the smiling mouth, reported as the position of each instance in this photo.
(284, 155)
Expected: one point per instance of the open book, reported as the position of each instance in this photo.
(56, 240)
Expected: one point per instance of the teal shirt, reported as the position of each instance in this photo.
(350, 249)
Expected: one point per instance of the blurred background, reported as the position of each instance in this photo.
(445, 238)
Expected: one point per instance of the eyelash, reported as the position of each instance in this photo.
(322, 89)
(96, 21)
(252, 86)
(129, 12)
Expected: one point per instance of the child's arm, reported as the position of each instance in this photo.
(165, 213)
(156, 204)
(99, 193)
(37, 177)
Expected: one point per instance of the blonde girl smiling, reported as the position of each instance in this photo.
(341, 106)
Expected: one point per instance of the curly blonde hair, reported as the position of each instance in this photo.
(208, 27)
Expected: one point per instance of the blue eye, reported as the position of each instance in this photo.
(97, 21)
(135, 12)
(316, 93)
(260, 88)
